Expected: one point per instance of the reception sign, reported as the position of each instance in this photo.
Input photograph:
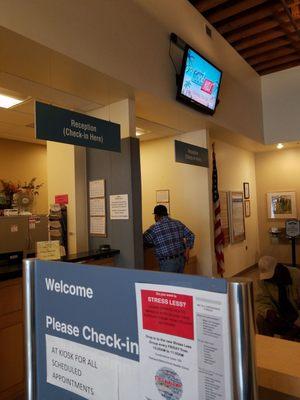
(118, 334)
(189, 154)
(65, 126)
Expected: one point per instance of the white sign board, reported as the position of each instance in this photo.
(292, 228)
(119, 206)
(81, 369)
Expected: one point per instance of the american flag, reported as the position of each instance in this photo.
(218, 233)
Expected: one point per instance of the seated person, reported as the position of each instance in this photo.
(277, 300)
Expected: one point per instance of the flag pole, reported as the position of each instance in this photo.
(218, 233)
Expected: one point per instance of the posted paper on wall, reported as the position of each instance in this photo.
(96, 188)
(97, 226)
(184, 343)
(97, 207)
(119, 206)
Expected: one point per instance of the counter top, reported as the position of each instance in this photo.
(15, 271)
(10, 272)
(94, 254)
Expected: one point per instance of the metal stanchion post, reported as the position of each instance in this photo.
(28, 289)
(242, 334)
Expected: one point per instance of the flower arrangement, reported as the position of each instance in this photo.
(9, 189)
(32, 187)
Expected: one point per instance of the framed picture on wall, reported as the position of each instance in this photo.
(246, 190)
(162, 196)
(281, 205)
(247, 208)
(236, 217)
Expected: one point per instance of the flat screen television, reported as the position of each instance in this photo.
(199, 82)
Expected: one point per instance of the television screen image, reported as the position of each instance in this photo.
(200, 82)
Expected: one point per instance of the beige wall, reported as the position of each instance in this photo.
(189, 191)
(19, 162)
(276, 171)
(236, 166)
(66, 169)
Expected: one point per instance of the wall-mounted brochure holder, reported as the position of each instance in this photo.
(119, 334)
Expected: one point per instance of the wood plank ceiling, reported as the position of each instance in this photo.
(264, 32)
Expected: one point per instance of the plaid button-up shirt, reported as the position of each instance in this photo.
(169, 237)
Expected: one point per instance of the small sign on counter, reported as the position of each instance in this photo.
(48, 250)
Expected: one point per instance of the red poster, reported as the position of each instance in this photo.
(169, 313)
(62, 199)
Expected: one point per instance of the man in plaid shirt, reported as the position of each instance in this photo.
(171, 239)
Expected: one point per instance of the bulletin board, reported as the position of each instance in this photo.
(236, 217)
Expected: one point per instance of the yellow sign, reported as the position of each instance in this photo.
(49, 250)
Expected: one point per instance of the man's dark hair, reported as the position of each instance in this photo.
(160, 210)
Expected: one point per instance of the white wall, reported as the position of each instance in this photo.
(236, 166)
(189, 191)
(281, 99)
(129, 40)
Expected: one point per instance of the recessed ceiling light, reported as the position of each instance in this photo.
(141, 131)
(8, 101)
(280, 146)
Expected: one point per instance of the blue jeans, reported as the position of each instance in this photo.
(172, 265)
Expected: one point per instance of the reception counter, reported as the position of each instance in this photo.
(12, 323)
(94, 257)
(151, 264)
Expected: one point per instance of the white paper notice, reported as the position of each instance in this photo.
(97, 206)
(97, 188)
(97, 225)
(214, 360)
(119, 206)
(184, 344)
(88, 372)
